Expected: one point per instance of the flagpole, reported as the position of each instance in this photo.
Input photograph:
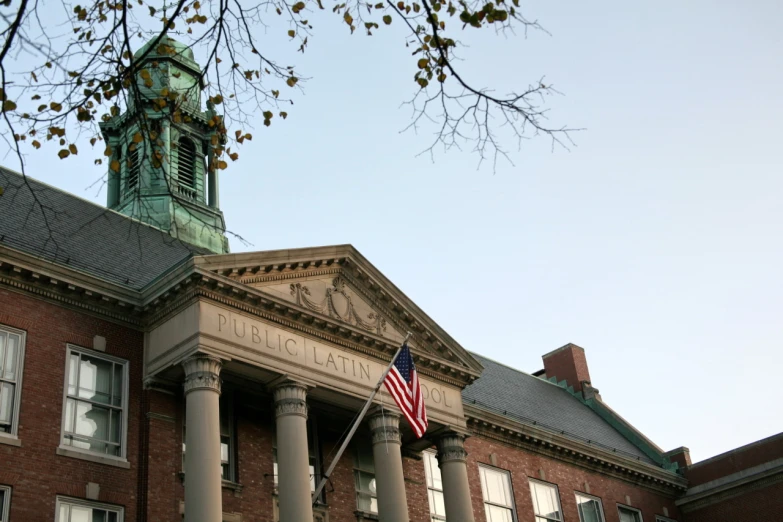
(355, 426)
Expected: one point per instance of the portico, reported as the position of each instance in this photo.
(299, 349)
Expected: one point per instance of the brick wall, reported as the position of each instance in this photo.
(764, 504)
(736, 460)
(34, 471)
(569, 479)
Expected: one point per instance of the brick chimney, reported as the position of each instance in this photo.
(568, 363)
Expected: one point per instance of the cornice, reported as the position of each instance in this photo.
(560, 446)
(43, 279)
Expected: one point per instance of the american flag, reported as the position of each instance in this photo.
(402, 381)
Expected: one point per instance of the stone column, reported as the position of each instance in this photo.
(452, 460)
(203, 494)
(293, 462)
(389, 482)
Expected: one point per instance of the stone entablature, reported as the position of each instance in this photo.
(218, 330)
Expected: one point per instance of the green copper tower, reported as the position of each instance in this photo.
(160, 149)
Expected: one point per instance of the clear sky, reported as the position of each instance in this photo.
(656, 243)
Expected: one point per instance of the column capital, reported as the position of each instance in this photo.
(290, 398)
(385, 427)
(202, 372)
(451, 447)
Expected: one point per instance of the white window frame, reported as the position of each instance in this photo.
(17, 382)
(87, 504)
(6, 508)
(629, 508)
(434, 456)
(557, 496)
(359, 470)
(661, 518)
(578, 494)
(71, 348)
(513, 506)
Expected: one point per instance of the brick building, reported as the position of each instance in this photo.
(148, 375)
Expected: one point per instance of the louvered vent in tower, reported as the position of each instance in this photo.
(186, 171)
(133, 170)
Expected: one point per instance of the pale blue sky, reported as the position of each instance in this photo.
(656, 243)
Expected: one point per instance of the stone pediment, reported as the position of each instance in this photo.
(337, 285)
(334, 297)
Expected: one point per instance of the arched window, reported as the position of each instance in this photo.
(186, 169)
(133, 169)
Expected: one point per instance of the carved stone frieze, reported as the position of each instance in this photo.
(290, 399)
(451, 447)
(385, 427)
(202, 372)
(338, 303)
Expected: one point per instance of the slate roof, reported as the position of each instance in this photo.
(79, 234)
(529, 399)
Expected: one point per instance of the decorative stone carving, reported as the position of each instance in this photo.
(451, 447)
(385, 428)
(290, 399)
(337, 303)
(202, 372)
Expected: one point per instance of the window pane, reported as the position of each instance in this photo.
(91, 421)
(545, 502)
(433, 471)
(80, 514)
(629, 515)
(70, 405)
(3, 337)
(117, 385)
(95, 379)
(6, 404)
(497, 514)
(2, 504)
(73, 366)
(437, 506)
(11, 351)
(497, 489)
(114, 426)
(589, 509)
(98, 515)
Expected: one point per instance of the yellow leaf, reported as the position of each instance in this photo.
(63, 153)
(387, 19)
(56, 107)
(292, 81)
(36, 144)
(145, 74)
(422, 63)
(137, 138)
(291, 33)
(115, 165)
(222, 165)
(9, 106)
(348, 18)
(73, 149)
(283, 114)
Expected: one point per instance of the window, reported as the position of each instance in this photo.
(5, 503)
(659, 518)
(498, 497)
(186, 169)
(434, 486)
(589, 508)
(133, 168)
(629, 514)
(227, 438)
(74, 510)
(364, 476)
(546, 502)
(11, 358)
(96, 397)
